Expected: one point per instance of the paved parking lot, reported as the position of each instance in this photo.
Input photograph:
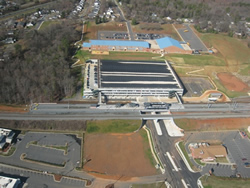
(196, 86)
(189, 36)
(122, 35)
(219, 170)
(146, 36)
(51, 155)
(47, 155)
(237, 148)
(39, 180)
(113, 35)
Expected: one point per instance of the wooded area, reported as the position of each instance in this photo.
(45, 125)
(39, 68)
(214, 10)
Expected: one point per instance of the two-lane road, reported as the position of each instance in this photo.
(176, 170)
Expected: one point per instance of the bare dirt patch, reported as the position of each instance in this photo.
(156, 28)
(212, 124)
(116, 156)
(204, 97)
(57, 177)
(231, 82)
(19, 109)
(91, 28)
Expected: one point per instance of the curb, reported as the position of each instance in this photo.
(183, 157)
(178, 32)
(151, 144)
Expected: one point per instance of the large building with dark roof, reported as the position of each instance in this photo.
(135, 79)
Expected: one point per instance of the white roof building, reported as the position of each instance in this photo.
(6, 136)
(7, 182)
(2, 141)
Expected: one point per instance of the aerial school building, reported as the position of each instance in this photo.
(164, 45)
(115, 45)
(130, 79)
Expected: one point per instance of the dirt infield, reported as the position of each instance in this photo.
(116, 156)
(231, 82)
(212, 124)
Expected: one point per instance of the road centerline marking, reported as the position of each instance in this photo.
(172, 161)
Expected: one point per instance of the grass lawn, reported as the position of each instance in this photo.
(48, 23)
(146, 146)
(245, 70)
(83, 55)
(181, 144)
(219, 182)
(222, 160)
(152, 185)
(113, 126)
(198, 161)
(147, 56)
(10, 152)
(234, 51)
(186, 124)
(196, 60)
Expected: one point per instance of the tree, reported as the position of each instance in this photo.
(134, 22)
(97, 19)
(104, 19)
(63, 14)
(40, 70)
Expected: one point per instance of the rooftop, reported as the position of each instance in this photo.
(167, 42)
(209, 152)
(136, 74)
(8, 182)
(117, 43)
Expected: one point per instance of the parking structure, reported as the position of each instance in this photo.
(135, 78)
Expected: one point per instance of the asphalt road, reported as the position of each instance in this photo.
(192, 38)
(164, 144)
(14, 13)
(115, 115)
(130, 32)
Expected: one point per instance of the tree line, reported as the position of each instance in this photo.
(39, 67)
(214, 10)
